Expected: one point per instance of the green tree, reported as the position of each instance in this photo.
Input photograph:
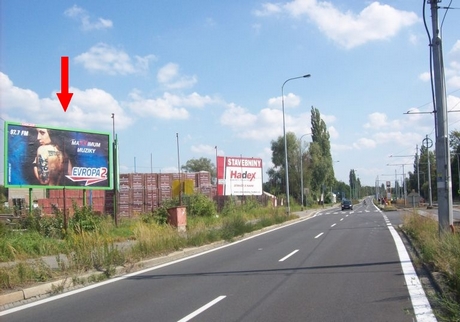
(354, 185)
(425, 155)
(322, 171)
(318, 169)
(454, 142)
(277, 174)
(201, 164)
(341, 189)
(414, 178)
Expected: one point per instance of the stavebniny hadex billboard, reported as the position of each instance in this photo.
(239, 176)
(39, 156)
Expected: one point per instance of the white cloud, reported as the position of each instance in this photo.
(290, 100)
(334, 134)
(453, 70)
(109, 60)
(13, 97)
(237, 117)
(80, 14)
(453, 103)
(425, 77)
(341, 147)
(375, 22)
(92, 107)
(413, 39)
(398, 138)
(379, 120)
(169, 77)
(376, 120)
(203, 149)
(88, 109)
(265, 125)
(328, 119)
(268, 9)
(364, 143)
(169, 106)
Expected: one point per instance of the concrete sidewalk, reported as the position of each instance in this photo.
(54, 262)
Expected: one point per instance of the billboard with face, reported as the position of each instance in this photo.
(239, 176)
(39, 156)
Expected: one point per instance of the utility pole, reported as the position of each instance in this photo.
(418, 169)
(443, 177)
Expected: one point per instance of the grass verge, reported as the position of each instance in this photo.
(95, 244)
(441, 254)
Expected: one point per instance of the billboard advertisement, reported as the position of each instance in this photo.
(42, 156)
(239, 176)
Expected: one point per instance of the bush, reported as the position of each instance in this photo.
(199, 205)
(230, 207)
(234, 226)
(52, 226)
(160, 215)
(84, 219)
(3, 229)
(31, 221)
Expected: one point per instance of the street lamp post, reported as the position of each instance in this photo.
(179, 170)
(115, 172)
(301, 169)
(288, 209)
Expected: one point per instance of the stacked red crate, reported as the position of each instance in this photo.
(164, 193)
(151, 181)
(164, 187)
(108, 201)
(191, 176)
(137, 192)
(203, 178)
(165, 180)
(124, 199)
(207, 191)
(151, 192)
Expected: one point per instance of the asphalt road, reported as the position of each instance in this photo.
(336, 266)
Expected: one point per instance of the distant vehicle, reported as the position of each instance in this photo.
(346, 204)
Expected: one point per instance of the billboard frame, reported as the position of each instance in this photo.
(82, 173)
(239, 176)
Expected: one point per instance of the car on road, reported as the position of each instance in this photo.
(347, 204)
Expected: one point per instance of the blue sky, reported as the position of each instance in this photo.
(212, 72)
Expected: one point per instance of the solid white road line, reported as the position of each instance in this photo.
(202, 309)
(287, 256)
(420, 303)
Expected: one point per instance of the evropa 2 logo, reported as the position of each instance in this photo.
(90, 175)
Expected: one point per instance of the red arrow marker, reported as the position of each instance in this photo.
(64, 96)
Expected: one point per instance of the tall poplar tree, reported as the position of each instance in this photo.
(320, 152)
